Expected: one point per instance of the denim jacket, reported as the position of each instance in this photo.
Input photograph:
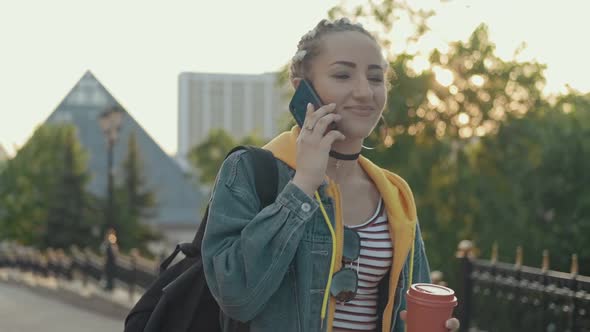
(270, 267)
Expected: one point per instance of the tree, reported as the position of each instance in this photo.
(480, 145)
(135, 203)
(384, 16)
(534, 170)
(208, 156)
(436, 116)
(42, 192)
(70, 213)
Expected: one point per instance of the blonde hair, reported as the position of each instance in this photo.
(310, 44)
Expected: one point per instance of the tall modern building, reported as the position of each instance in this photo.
(239, 104)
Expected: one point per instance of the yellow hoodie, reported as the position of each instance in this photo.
(399, 204)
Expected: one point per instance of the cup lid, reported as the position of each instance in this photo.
(432, 292)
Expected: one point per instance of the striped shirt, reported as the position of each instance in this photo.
(360, 314)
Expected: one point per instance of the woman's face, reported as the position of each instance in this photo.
(349, 71)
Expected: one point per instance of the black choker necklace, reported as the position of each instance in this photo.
(342, 156)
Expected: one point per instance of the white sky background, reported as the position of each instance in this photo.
(138, 48)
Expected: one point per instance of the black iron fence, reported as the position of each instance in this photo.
(131, 271)
(495, 296)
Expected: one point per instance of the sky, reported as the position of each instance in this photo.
(137, 49)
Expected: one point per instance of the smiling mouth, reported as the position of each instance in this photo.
(360, 110)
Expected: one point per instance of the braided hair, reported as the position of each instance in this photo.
(309, 45)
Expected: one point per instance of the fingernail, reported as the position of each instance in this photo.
(309, 105)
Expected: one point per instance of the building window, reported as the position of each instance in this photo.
(238, 108)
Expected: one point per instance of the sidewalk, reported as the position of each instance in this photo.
(92, 297)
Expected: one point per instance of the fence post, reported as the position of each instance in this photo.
(133, 281)
(51, 262)
(464, 256)
(110, 266)
(544, 281)
(514, 292)
(36, 257)
(61, 264)
(85, 267)
(573, 286)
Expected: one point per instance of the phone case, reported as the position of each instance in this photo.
(303, 95)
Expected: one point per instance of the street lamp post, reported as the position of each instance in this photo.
(110, 123)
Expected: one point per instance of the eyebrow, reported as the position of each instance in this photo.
(353, 65)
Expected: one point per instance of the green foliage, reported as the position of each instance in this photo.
(42, 192)
(135, 203)
(384, 17)
(535, 171)
(436, 123)
(208, 156)
(488, 156)
(252, 139)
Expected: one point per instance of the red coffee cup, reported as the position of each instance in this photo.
(429, 307)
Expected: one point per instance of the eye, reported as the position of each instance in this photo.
(377, 79)
(341, 76)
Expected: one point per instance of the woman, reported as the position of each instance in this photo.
(341, 243)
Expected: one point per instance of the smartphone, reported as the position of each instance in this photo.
(303, 95)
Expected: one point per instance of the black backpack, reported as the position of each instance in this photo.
(179, 300)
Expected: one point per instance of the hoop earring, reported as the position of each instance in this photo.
(386, 139)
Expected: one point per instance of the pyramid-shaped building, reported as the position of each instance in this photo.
(178, 198)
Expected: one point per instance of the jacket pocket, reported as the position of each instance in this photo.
(314, 322)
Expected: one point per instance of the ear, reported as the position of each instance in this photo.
(295, 82)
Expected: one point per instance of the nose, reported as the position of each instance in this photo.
(363, 89)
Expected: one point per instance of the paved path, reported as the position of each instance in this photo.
(22, 310)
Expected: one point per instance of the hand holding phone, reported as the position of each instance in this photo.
(316, 139)
(304, 94)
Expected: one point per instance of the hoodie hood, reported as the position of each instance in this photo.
(284, 148)
(399, 204)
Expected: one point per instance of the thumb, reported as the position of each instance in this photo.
(403, 314)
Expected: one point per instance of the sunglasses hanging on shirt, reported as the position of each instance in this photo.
(345, 282)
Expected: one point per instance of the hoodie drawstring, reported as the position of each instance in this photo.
(332, 262)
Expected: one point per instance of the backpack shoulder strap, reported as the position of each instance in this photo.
(266, 183)
(265, 174)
